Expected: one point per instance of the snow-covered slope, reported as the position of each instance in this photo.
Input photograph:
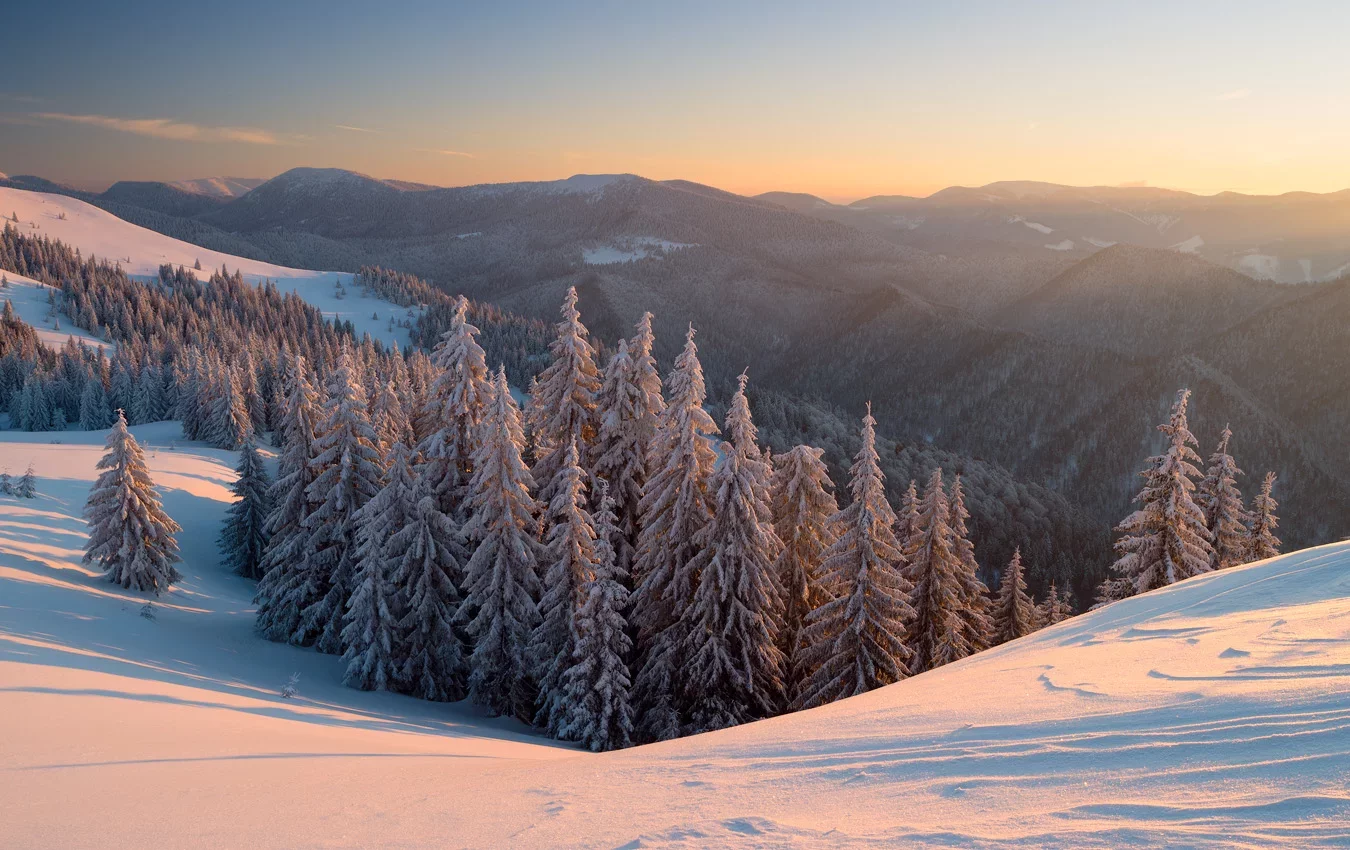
(29, 298)
(141, 252)
(1212, 714)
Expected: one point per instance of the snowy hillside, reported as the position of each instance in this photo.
(141, 252)
(1213, 713)
(29, 298)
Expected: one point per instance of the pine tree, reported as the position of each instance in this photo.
(389, 420)
(1261, 540)
(26, 487)
(1054, 608)
(1225, 517)
(1014, 612)
(290, 584)
(628, 407)
(94, 412)
(129, 534)
(428, 559)
(449, 422)
(907, 528)
(228, 424)
(936, 634)
(501, 604)
(563, 403)
(803, 507)
(370, 630)
(1165, 540)
(6, 484)
(243, 540)
(856, 641)
(572, 564)
(347, 475)
(734, 666)
(596, 686)
(976, 627)
(675, 507)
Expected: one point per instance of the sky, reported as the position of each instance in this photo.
(843, 100)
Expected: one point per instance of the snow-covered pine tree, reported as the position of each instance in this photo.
(976, 626)
(371, 623)
(389, 419)
(734, 668)
(1166, 540)
(347, 475)
(936, 634)
(6, 484)
(596, 687)
(26, 486)
(427, 561)
(856, 641)
(502, 600)
(627, 408)
(449, 421)
(675, 507)
(571, 565)
(562, 407)
(130, 536)
(1261, 540)
(243, 540)
(228, 424)
(289, 583)
(1225, 516)
(1054, 608)
(94, 412)
(803, 507)
(147, 402)
(1014, 612)
(907, 527)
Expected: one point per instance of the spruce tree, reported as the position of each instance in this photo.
(389, 419)
(6, 484)
(571, 563)
(1225, 517)
(596, 685)
(803, 507)
(228, 423)
(26, 487)
(976, 626)
(94, 412)
(1014, 612)
(347, 475)
(1261, 540)
(1166, 540)
(427, 560)
(449, 421)
(243, 540)
(734, 668)
(130, 536)
(856, 641)
(675, 507)
(562, 405)
(502, 600)
(1054, 608)
(907, 528)
(936, 634)
(370, 632)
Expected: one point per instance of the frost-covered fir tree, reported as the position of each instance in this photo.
(427, 560)
(1261, 540)
(975, 623)
(1014, 613)
(347, 475)
(628, 407)
(734, 668)
(856, 641)
(94, 412)
(148, 401)
(448, 423)
(1225, 516)
(290, 584)
(1054, 608)
(26, 486)
(803, 507)
(503, 588)
(371, 623)
(596, 686)
(6, 484)
(675, 507)
(936, 633)
(571, 564)
(228, 424)
(1166, 540)
(130, 536)
(562, 405)
(389, 418)
(243, 540)
(907, 528)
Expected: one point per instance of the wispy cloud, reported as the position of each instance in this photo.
(446, 152)
(355, 129)
(182, 131)
(20, 98)
(1235, 94)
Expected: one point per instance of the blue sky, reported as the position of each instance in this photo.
(841, 99)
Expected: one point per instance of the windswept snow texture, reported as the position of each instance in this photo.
(30, 304)
(1215, 713)
(141, 252)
